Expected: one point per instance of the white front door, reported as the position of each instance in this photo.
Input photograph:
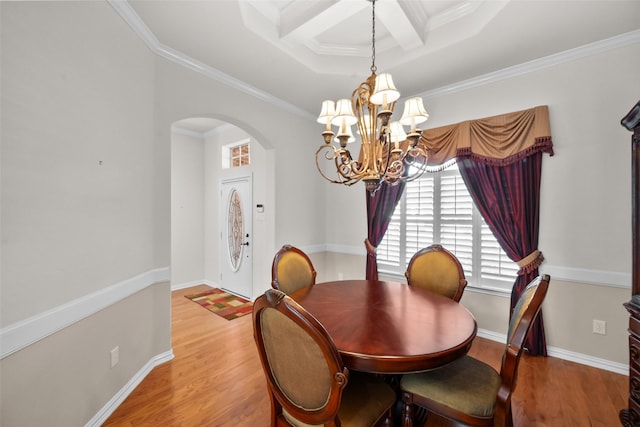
(236, 272)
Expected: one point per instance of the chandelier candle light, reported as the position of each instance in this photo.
(387, 154)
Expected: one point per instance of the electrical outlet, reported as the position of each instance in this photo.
(599, 327)
(115, 356)
(340, 276)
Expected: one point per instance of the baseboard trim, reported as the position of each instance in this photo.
(184, 285)
(125, 391)
(22, 334)
(571, 356)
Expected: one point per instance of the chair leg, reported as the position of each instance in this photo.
(407, 409)
(388, 420)
(503, 415)
(509, 415)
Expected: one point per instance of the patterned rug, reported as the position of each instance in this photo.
(222, 303)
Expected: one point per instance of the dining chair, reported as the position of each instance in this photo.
(291, 270)
(307, 381)
(437, 269)
(470, 391)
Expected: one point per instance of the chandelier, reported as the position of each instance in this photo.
(387, 153)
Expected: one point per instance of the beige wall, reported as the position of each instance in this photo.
(65, 379)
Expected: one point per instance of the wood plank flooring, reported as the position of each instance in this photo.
(216, 379)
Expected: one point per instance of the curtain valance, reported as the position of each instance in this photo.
(497, 140)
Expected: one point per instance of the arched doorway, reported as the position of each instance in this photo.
(197, 170)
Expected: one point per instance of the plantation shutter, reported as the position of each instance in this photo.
(419, 202)
(456, 216)
(388, 251)
(437, 208)
(494, 262)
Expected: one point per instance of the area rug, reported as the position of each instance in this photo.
(222, 303)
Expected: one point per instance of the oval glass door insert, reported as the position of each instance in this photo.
(235, 230)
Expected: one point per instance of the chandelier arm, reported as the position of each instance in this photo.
(415, 158)
(414, 176)
(330, 154)
(343, 162)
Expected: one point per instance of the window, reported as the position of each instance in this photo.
(236, 155)
(437, 208)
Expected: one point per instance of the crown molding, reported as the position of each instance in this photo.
(132, 19)
(129, 15)
(187, 132)
(537, 64)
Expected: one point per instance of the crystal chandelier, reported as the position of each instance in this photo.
(387, 154)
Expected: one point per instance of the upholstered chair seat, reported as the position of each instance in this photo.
(363, 400)
(468, 390)
(438, 270)
(291, 270)
(466, 385)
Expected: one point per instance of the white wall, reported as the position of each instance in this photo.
(81, 252)
(77, 154)
(187, 209)
(585, 218)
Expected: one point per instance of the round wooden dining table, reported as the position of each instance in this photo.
(387, 327)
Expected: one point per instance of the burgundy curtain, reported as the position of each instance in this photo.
(380, 207)
(508, 197)
(500, 160)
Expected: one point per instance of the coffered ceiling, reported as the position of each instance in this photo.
(300, 52)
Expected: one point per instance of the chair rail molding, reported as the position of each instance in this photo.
(613, 279)
(22, 334)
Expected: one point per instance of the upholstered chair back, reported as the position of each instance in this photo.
(522, 317)
(437, 269)
(291, 270)
(304, 370)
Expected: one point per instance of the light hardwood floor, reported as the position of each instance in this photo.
(216, 379)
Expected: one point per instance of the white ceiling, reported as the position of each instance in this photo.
(301, 52)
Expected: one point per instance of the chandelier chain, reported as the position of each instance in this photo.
(373, 36)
